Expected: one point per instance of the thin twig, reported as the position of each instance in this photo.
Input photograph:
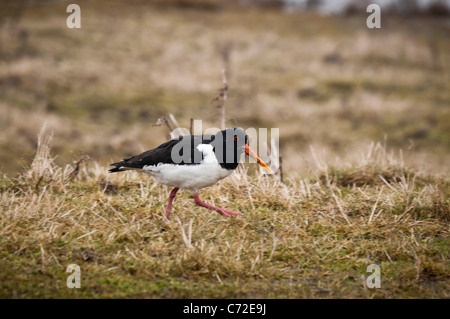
(76, 169)
(280, 168)
(163, 121)
(222, 97)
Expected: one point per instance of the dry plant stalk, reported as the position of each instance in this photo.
(163, 121)
(76, 169)
(222, 97)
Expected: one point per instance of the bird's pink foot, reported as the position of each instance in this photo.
(221, 211)
(230, 212)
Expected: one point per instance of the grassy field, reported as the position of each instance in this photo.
(364, 134)
(309, 238)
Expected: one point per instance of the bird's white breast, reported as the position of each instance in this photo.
(192, 177)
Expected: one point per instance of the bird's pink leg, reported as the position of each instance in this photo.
(171, 197)
(221, 211)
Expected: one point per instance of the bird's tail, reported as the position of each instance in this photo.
(120, 167)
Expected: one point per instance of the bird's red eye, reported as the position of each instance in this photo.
(236, 138)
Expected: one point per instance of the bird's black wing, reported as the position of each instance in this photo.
(163, 154)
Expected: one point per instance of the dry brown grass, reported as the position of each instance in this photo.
(307, 238)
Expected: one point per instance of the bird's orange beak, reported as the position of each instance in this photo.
(252, 154)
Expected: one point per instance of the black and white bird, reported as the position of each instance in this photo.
(193, 162)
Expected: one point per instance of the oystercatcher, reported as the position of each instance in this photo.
(193, 162)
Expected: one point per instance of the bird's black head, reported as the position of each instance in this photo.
(233, 142)
(229, 145)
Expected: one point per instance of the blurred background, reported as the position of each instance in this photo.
(310, 68)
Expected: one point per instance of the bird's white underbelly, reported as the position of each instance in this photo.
(192, 177)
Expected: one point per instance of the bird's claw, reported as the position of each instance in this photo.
(227, 213)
